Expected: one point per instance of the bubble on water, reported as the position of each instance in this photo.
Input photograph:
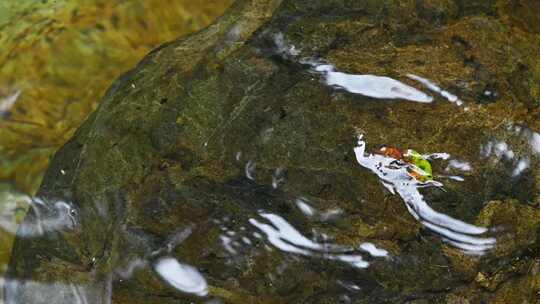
(183, 277)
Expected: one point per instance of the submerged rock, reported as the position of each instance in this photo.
(58, 58)
(222, 168)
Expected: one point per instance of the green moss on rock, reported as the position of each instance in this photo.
(171, 146)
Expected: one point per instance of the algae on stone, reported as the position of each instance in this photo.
(191, 140)
(62, 55)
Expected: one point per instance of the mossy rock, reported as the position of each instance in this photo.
(192, 139)
(62, 55)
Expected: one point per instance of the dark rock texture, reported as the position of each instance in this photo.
(163, 166)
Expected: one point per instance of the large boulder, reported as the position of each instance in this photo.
(223, 168)
(59, 57)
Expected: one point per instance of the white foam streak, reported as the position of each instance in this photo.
(499, 149)
(440, 155)
(460, 237)
(183, 277)
(373, 250)
(521, 166)
(460, 165)
(7, 103)
(250, 170)
(532, 137)
(456, 178)
(29, 291)
(372, 86)
(435, 88)
(275, 238)
(396, 178)
(305, 207)
(48, 216)
(411, 196)
(227, 244)
(355, 260)
(285, 237)
(277, 177)
(291, 234)
(534, 141)
(468, 248)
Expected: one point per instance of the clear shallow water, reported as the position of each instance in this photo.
(47, 87)
(280, 222)
(273, 232)
(59, 57)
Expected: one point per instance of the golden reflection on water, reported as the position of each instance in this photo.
(56, 61)
(62, 55)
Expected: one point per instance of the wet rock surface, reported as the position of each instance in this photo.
(226, 156)
(56, 61)
(58, 58)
